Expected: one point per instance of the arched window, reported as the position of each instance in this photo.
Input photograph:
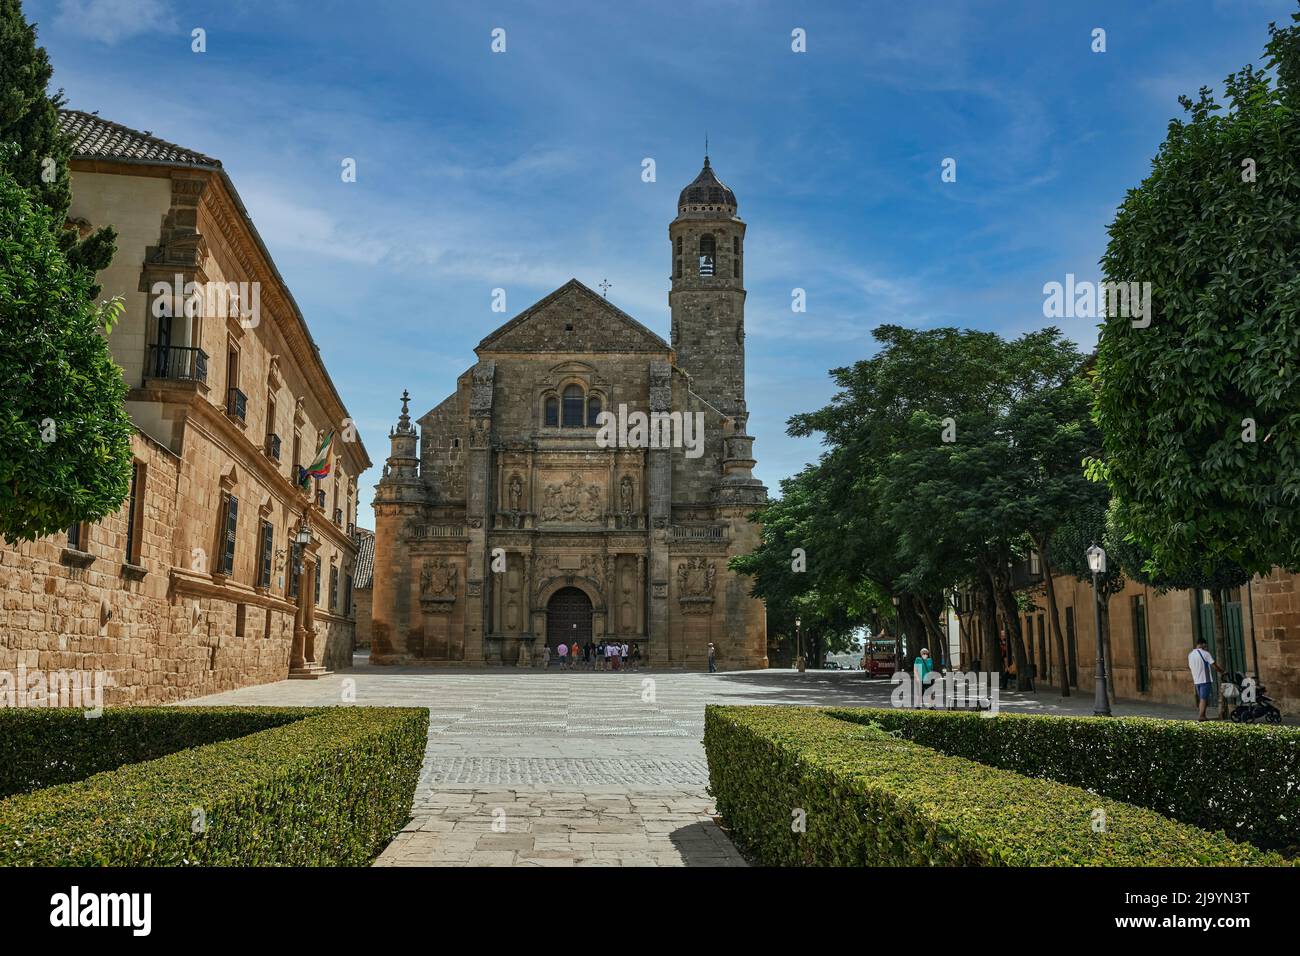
(573, 402)
(552, 419)
(593, 412)
(679, 245)
(708, 254)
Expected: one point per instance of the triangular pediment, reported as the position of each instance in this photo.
(573, 318)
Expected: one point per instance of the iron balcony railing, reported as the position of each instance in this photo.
(236, 404)
(179, 362)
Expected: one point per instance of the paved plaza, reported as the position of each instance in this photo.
(550, 768)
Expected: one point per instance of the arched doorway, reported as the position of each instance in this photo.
(568, 618)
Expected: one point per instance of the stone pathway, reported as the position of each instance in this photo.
(529, 768)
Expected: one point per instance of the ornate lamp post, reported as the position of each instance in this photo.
(1097, 565)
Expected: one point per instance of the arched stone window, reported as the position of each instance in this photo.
(708, 254)
(552, 412)
(574, 400)
(593, 411)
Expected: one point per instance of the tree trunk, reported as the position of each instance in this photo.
(984, 605)
(1056, 619)
(936, 637)
(911, 628)
(1006, 604)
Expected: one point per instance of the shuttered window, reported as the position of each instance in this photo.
(231, 523)
(267, 555)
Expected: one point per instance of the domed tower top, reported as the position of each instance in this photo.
(707, 194)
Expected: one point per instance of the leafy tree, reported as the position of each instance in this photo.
(65, 445)
(29, 119)
(1200, 410)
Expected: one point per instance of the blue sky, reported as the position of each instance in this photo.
(520, 170)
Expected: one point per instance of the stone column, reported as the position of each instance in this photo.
(640, 594)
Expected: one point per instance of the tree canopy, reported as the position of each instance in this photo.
(1200, 409)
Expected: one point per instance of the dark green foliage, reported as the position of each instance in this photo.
(41, 747)
(330, 789)
(873, 799)
(1223, 256)
(29, 123)
(57, 380)
(1242, 780)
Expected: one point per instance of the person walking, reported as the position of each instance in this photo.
(713, 659)
(563, 652)
(922, 668)
(546, 656)
(1200, 662)
(636, 656)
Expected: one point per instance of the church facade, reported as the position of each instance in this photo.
(585, 480)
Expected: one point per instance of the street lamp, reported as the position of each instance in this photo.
(1097, 565)
(798, 643)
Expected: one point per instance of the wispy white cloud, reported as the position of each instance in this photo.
(112, 21)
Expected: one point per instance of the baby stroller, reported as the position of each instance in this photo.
(1260, 707)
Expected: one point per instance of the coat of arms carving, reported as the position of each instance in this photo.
(438, 582)
(695, 578)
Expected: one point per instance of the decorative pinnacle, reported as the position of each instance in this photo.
(404, 420)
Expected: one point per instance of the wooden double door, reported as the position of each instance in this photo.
(568, 618)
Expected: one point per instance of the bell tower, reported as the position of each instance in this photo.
(707, 300)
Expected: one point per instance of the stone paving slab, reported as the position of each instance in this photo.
(579, 768)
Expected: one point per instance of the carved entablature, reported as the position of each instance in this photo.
(592, 567)
(695, 581)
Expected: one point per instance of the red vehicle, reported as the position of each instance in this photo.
(880, 657)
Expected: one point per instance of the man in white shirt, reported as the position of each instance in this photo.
(1200, 662)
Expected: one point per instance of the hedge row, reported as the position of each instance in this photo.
(1241, 779)
(42, 747)
(867, 798)
(330, 789)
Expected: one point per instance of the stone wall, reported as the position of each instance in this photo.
(1171, 633)
(88, 609)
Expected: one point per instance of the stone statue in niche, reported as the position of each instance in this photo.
(516, 493)
(626, 493)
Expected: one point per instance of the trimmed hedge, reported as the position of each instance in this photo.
(873, 799)
(42, 747)
(330, 789)
(1241, 779)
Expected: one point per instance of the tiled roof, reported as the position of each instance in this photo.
(365, 570)
(95, 138)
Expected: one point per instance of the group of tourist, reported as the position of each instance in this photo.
(594, 656)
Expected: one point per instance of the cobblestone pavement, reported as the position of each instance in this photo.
(552, 768)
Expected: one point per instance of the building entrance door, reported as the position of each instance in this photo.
(568, 618)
